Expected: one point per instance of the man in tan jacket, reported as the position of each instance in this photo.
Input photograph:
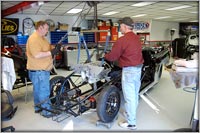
(39, 63)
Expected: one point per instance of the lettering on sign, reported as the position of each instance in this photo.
(9, 26)
(140, 25)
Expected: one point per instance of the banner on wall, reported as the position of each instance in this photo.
(9, 26)
(141, 26)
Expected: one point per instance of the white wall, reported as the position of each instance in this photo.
(160, 31)
(70, 20)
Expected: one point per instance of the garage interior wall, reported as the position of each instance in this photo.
(160, 31)
(67, 20)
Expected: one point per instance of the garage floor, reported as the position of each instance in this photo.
(175, 107)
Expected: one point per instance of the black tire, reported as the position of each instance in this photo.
(55, 87)
(108, 104)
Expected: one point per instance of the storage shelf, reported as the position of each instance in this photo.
(56, 36)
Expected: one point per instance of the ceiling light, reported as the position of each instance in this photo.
(74, 11)
(194, 21)
(194, 12)
(110, 13)
(142, 4)
(163, 17)
(139, 15)
(178, 7)
(182, 19)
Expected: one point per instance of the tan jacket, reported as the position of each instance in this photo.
(36, 44)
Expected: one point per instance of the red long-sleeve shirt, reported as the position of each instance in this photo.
(127, 50)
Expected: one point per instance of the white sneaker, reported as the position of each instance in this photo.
(125, 125)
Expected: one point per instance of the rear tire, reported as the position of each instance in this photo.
(108, 104)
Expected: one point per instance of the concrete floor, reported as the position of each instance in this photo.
(175, 107)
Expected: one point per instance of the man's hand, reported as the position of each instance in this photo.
(56, 49)
(58, 46)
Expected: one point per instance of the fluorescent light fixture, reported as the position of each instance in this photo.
(142, 4)
(194, 12)
(182, 19)
(110, 13)
(163, 17)
(139, 15)
(178, 7)
(194, 21)
(74, 11)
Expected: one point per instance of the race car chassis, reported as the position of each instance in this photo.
(97, 85)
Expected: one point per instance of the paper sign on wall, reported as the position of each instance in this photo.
(141, 26)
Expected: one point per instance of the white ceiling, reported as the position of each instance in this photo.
(155, 10)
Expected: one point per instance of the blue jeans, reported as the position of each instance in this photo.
(41, 88)
(130, 86)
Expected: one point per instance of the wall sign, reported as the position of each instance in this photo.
(141, 26)
(9, 26)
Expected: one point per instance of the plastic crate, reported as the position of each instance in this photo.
(114, 33)
(22, 39)
(56, 36)
(89, 37)
(103, 35)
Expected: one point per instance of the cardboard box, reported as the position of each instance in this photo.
(52, 28)
(63, 27)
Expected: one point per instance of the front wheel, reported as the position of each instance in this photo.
(58, 86)
(108, 104)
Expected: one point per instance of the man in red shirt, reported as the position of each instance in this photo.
(127, 50)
